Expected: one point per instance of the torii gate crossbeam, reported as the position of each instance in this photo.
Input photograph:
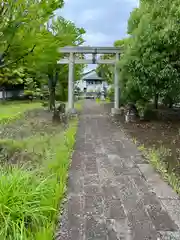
(72, 60)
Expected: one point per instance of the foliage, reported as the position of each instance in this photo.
(31, 88)
(20, 21)
(150, 63)
(60, 33)
(110, 94)
(122, 43)
(30, 38)
(105, 70)
(11, 76)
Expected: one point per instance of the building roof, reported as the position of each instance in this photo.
(91, 75)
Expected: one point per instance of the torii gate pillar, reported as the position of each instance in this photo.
(116, 109)
(71, 83)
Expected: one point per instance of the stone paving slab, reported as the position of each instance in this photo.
(173, 208)
(113, 194)
(168, 235)
(154, 181)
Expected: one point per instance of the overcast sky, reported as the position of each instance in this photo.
(104, 20)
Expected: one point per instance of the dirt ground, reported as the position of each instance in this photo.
(157, 134)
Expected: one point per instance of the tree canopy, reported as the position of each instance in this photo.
(30, 37)
(149, 65)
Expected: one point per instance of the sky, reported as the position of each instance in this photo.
(104, 20)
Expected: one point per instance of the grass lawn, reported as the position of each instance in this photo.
(107, 100)
(12, 110)
(78, 105)
(34, 169)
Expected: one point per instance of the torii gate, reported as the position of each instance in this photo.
(72, 60)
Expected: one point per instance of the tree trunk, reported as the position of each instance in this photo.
(156, 98)
(51, 98)
(51, 92)
(52, 81)
(170, 102)
(170, 105)
(3, 95)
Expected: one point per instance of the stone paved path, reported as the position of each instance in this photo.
(112, 193)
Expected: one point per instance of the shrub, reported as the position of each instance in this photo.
(110, 94)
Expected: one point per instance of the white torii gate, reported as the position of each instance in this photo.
(72, 60)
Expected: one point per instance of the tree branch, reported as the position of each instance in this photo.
(17, 60)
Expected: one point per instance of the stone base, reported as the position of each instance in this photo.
(72, 112)
(115, 111)
(102, 98)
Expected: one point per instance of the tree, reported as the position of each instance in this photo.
(150, 63)
(105, 70)
(60, 32)
(30, 38)
(20, 21)
(10, 77)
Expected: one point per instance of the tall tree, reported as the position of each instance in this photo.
(150, 65)
(60, 32)
(29, 41)
(105, 70)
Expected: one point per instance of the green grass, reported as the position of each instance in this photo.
(30, 192)
(33, 187)
(107, 100)
(98, 100)
(156, 158)
(79, 105)
(13, 110)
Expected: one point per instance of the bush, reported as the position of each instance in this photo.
(45, 94)
(110, 94)
(45, 104)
